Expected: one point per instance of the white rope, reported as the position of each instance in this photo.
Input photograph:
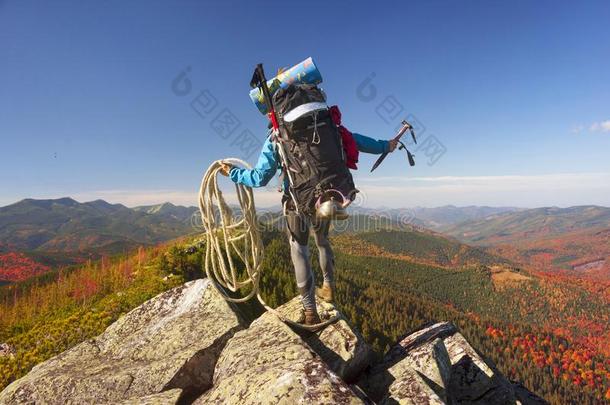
(225, 235)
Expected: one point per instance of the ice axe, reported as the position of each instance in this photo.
(403, 129)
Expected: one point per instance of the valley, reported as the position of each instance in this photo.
(568, 244)
(540, 324)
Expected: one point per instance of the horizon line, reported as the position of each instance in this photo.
(278, 206)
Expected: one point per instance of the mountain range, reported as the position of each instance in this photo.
(67, 225)
(38, 235)
(436, 218)
(493, 275)
(513, 226)
(64, 231)
(572, 241)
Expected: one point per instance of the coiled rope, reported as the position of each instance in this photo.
(226, 234)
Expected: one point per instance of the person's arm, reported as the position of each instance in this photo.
(374, 146)
(259, 175)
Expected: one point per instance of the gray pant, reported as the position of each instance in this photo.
(298, 235)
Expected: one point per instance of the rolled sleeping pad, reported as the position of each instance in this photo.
(305, 72)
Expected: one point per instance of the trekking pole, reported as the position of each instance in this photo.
(259, 80)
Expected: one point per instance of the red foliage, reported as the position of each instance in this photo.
(562, 256)
(563, 359)
(87, 288)
(16, 266)
(494, 333)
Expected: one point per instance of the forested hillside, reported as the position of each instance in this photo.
(567, 243)
(535, 332)
(422, 246)
(37, 235)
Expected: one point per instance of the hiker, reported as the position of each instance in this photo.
(310, 121)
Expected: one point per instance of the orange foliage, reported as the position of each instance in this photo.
(568, 362)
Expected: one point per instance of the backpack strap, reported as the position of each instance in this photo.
(283, 175)
(350, 148)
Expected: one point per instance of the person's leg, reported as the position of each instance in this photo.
(327, 258)
(298, 235)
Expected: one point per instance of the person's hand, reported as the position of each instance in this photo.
(225, 168)
(392, 144)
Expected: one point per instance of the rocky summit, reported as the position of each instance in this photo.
(189, 345)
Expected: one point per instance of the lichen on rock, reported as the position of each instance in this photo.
(437, 365)
(170, 341)
(270, 363)
(339, 345)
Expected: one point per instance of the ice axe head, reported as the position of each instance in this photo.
(408, 126)
(412, 134)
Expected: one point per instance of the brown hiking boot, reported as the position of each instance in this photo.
(309, 317)
(326, 292)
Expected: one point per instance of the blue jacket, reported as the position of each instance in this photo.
(267, 164)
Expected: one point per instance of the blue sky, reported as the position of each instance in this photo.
(515, 94)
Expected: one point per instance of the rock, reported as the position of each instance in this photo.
(397, 375)
(459, 348)
(6, 350)
(270, 363)
(340, 346)
(170, 341)
(169, 397)
(411, 388)
(525, 396)
(187, 345)
(436, 365)
(470, 384)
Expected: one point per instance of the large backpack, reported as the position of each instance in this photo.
(313, 153)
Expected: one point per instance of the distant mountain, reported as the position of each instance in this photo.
(530, 224)
(431, 218)
(438, 217)
(571, 241)
(68, 225)
(167, 209)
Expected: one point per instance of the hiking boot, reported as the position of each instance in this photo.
(326, 292)
(309, 317)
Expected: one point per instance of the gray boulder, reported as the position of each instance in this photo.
(171, 341)
(340, 346)
(436, 365)
(169, 397)
(269, 363)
